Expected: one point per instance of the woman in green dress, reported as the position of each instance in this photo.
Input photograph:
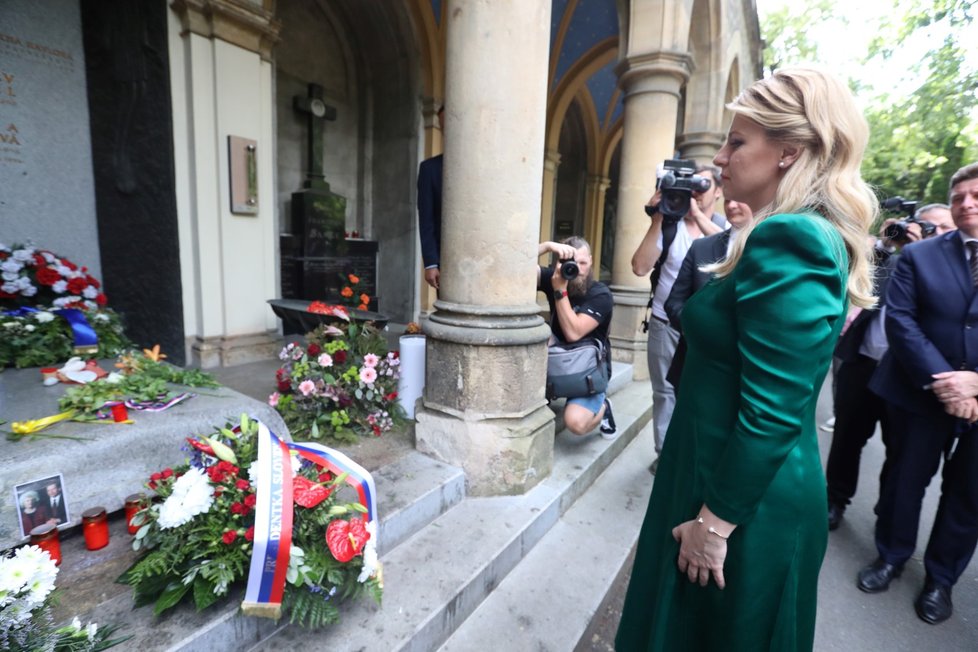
(729, 554)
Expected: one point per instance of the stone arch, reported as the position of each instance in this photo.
(702, 112)
(733, 88)
(367, 57)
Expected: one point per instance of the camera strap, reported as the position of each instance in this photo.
(668, 236)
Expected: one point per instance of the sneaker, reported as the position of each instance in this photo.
(829, 425)
(608, 428)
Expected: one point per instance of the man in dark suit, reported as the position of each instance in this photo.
(691, 278)
(929, 378)
(861, 346)
(429, 211)
(55, 503)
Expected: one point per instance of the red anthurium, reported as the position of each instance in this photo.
(307, 493)
(346, 539)
(201, 446)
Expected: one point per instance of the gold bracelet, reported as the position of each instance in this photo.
(712, 530)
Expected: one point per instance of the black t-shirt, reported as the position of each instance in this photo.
(596, 303)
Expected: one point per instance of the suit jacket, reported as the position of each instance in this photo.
(704, 251)
(931, 314)
(60, 512)
(429, 209)
(847, 349)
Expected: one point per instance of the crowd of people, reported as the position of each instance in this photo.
(749, 311)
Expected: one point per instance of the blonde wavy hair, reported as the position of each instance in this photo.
(812, 110)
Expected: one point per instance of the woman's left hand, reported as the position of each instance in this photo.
(701, 552)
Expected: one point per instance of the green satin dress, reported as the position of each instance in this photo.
(742, 440)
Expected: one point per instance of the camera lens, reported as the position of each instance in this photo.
(569, 269)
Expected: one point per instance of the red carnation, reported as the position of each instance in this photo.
(101, 299)
(238, 508)
(168, 472)
(391, 396)
(156, 477)
(47, 276)
(229, 537)
(314, 349)
(93, 281)
(339, 357)
(242, 484)
(70, 265)
(284, 386)
(250, 501)
(376, 430)
(39, 260)
(77, 285)
(249, 534)
(346, 539)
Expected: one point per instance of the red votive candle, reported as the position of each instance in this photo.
(95, 527)
(134, 503)
(46, 538)
(119, 413)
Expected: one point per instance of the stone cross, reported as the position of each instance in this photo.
(318, 111)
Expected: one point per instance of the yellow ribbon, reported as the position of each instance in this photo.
(36, 425)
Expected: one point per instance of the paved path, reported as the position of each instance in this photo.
(848, 619)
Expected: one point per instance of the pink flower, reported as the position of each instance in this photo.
(273, 398)
(307, 387)
(370, 360)
(325, 360)
(368, 375)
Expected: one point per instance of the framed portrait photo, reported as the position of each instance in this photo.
(41, 501)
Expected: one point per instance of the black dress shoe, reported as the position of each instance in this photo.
(933, 605)
(877, 576)
(835, 515)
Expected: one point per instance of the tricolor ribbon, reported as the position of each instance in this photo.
(85, 339)
(273, 514)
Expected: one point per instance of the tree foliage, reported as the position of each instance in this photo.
(917, 139)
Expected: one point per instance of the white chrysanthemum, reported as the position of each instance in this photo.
(43, 316)
(370, 561)
(30, 327)
(28, 576)
(11, 324)
(63, 301)
(101, 316)
(90, 631)
(90, 292)
(23, 255)
(10, 287)
(192, 495)
(10, 276)
(11, 265)
(59, 286)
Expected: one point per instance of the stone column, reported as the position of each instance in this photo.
(483, 405)
(594, 193)
(551, 161)
(651, 84)
(701, 145)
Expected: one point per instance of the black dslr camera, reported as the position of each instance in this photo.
(897, 231)
(569, 269)
(678, 181)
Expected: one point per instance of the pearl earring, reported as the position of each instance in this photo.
(780, 164)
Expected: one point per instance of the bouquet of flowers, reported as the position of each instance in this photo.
(198, 541)
(26, 586)
(352, 296)
(342, 383)
(33, 284)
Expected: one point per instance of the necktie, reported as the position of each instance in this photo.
(973, 260)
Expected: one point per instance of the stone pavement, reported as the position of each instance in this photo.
(848, 619)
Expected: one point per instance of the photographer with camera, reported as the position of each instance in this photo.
(861, 346)
(681, 211)
(580, 308)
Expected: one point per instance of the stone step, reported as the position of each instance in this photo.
(548, 600)
(412, 491)
(437, 578)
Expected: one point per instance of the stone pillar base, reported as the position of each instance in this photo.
(500, 456)
(628, 342)
(210, 352)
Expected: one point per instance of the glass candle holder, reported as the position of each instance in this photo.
(46, 538)
(134, 503)
(95, 527)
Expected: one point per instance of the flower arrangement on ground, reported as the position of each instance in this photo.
(26, 591)
(342, 384)
(198, 542)
(35, 287)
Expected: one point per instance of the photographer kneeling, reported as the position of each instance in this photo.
(580, 308)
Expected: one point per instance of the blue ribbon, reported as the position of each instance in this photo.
(86, 341)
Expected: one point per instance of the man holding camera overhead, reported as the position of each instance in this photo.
(580, 307)
(686, 214)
